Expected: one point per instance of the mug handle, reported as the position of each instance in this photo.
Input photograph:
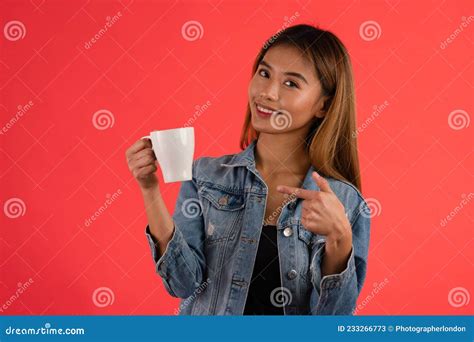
(149, 138)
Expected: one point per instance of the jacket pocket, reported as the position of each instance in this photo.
(223, 200)
(222, 210)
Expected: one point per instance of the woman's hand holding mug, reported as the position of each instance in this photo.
(142, 163)
(172, 149)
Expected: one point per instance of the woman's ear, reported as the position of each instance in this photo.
(320, 114)
(321, 107)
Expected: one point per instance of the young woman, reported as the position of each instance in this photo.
(281, 227)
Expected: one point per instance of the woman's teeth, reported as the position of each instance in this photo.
(266, 110)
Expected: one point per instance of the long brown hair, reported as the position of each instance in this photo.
(331, 142)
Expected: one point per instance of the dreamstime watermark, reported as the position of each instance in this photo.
(370, 30)
(14, 208)
(377, 288)
(373, 208)
(197, 113)
(287, 22)
(466, 199)
(191, 298)
(192, 30)
(278, 210)
(103, 119)
(281, 119)
(22, 110)
(108, 202)
(377, 110)
(280, 297)
(458, 119)
(103, 296)
(191, 208)
(464, 24)
(19, 291)
(458, 297)
(14, 30)
(110, 21)
(46, 330)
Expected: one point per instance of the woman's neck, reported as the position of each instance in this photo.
(281, 153)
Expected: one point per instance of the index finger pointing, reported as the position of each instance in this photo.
(296, 192)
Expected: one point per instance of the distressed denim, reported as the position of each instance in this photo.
(218, 218)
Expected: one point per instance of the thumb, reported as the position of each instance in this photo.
(321, 182)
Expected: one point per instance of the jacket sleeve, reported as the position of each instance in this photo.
(182, 265)
(336, 294)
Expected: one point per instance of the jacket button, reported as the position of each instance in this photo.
(288, 231)
(223, 200)
(292, 274)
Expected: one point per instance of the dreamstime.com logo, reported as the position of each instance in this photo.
(192, 30)
(14, 30)
(197, 113)
(280, 297)
(191, 298)
(377, 110)
(281, 119)
(458, 119)
(108, 202)
(22, 110)
(458, 297)
(46, 330)
(287, 22)
(19, 291)
(14, 208)
(370, 30)
(103, 119)
(110, 21)
(277, 211)
(466, 199)
(376, 289)
(191, 208)
(465, 21)
(372, 209)
(103, 296)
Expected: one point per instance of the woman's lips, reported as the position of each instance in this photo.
(263, 114)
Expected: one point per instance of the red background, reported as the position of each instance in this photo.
(415, 166)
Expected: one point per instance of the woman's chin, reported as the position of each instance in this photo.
(268, 130)
(260, 126)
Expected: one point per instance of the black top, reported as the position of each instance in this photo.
(265, 277)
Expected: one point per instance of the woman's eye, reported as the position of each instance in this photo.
(264, 73)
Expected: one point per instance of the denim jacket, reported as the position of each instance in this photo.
(218, 218)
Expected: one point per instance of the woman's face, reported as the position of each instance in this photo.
(287, 85)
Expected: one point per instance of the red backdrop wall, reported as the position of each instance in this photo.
(71, 105)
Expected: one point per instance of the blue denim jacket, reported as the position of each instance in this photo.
(218, 219)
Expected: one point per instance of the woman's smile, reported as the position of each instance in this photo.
(265, 111)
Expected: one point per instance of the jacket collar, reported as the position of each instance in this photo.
(247, 158)
(244, 158)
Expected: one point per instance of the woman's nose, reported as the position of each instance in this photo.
(270, 92)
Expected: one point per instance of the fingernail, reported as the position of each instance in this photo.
(317, 174)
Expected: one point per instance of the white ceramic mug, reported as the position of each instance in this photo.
(174, 150)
